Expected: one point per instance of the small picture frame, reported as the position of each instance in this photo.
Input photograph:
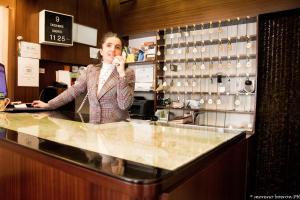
(163, 115)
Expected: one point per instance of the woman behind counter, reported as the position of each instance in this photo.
(109, 85)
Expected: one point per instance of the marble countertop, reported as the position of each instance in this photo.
(160, 146)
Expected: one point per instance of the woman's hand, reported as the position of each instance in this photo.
(40, 104)
(119, 62)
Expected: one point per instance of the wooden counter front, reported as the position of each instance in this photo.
(36, 165)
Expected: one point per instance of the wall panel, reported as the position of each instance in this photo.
(137, 16)
(143, 15)
(88, 13)
(11, 4)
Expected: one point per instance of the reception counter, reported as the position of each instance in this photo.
(55, 155)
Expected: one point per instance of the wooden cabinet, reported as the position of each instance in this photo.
(36, 168)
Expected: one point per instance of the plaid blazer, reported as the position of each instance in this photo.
(111, 104)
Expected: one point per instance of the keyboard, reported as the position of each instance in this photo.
(29, 108)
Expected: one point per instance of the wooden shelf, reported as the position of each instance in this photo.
(165, 44)
(206, 110)
(204, 93)
(216, 24)
(198, 43)
(204, 76)
(206, 59)
(142, 62)
(191, 125)
(145, 91)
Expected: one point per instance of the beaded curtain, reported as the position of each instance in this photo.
(277, 114)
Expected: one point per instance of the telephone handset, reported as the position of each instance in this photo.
(87, 94)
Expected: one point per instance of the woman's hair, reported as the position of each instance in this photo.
(104, 38)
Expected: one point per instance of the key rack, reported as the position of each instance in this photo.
(208, 70)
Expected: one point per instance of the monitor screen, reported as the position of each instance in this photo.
(3, 86)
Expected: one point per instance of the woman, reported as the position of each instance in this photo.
(109, 85)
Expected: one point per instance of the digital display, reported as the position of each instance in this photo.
(56, 28)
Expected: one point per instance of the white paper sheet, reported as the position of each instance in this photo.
(144, 73)
(28, 72)
(94, 52)
(143, 87)
(84, 34)
(30, 50)
(63, 77)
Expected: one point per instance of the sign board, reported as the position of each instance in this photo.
(84, 34)
(55, 28)
(29, 50)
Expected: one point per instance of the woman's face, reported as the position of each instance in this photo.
(110, 48)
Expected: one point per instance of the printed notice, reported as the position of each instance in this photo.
(28, 72)
(94, 52)
(144, 73)
(30, 50)
(143, 77)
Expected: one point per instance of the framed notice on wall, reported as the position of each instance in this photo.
(55, 28)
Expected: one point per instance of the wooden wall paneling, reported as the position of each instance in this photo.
(38, 175)
(104, 23)
(33, 175)
(12, 53)
(145, 15)
(4, 2)
(96, 19)
(10, 175)
(27, 24)
(113, 14)
(63, 6)
(26, 180)
(49, 76)
(27, 20)
(227, 168)
(88, 13)
(11, 63)
(57, 53)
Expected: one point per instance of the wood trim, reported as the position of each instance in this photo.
(12, 50)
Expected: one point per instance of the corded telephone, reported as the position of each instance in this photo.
(50, 92)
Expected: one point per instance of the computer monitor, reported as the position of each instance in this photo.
(3, 85)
